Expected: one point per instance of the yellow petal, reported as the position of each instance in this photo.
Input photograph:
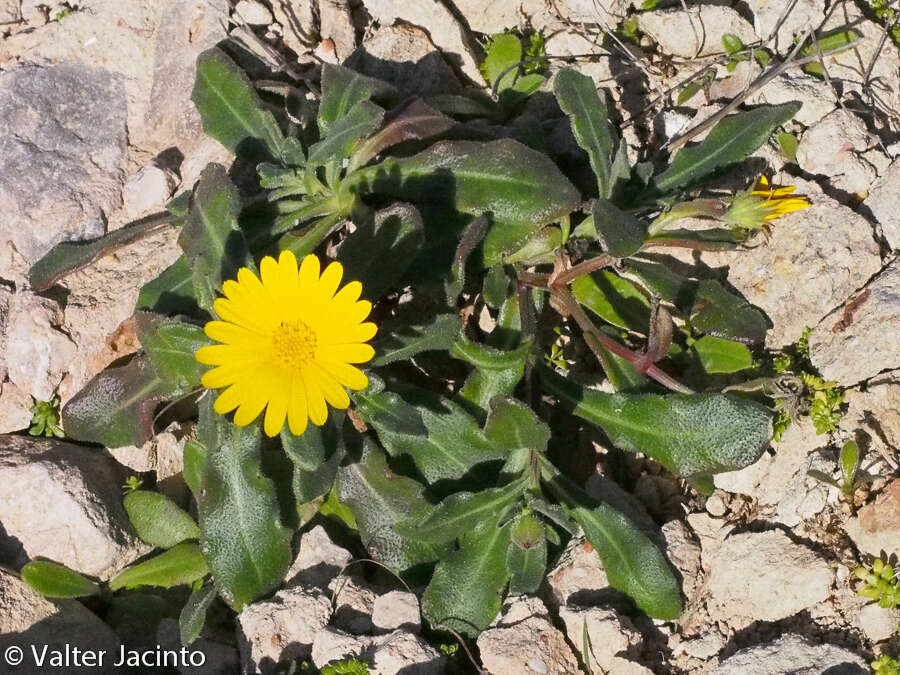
(331, 279)
(275, 413)
(335, 395)
(309, 273)
(349, 353)
(315, 400)
(229, 399)
(230, 333)
(347, 375)
(297, 412)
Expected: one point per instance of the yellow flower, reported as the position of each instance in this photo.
(753, 208)
(288, 338)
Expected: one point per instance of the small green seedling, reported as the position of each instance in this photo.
(882, 584)
(849, 465)
(347, 667)
(45, 419)
(885, 665)
(132, 483)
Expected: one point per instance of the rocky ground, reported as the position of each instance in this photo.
(97, 128)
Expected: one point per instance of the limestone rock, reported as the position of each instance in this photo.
(318, 561)
(610, 633)
(206, 151)
(859, 339)
(28, 619)
(833, 147)
(876, 527)
(803, 15)
(336, 24)
(63, 141)
(816, 97)
(495, 17)
(683, 552)
(878, 623)
(63, 502)
(218, 658)
(526, 646)
(283, 628)
(884, 203)
(148, 191)
(405, 56)
(793, 655)
(764, 576)
(9, 11)
(15, 404)
(354, 601)
(875, 413)
(332, 645)
(577, 578)
(253, 12)
(401, 653)
(396, 610)
(697, 32)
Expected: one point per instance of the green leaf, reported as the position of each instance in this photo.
(404, 342)
(496, 373)
(686, 433)
(461, 512)
(788, 144)
(732, 43)
(53, 580)
(346, 133)
(193, 614)
(621, 374)
(444, 441)
(413, 122)
(578, 98)
(170, 345)
(502, 52)
(834, 43)
(691, 90)
(512, 425)
(722, 356)
(722, 314)
(633, 563)
(526, 557)
(378, 500)
(619, 233)
(316, 455)
(231, 110)
(194, 461)
(395, 235)
(172, 292)
(849, 465)
(342, 89)
(466, 591)
(511, 181)
(116, 407)
(730, 141)
(495, 287)
(70, 256)
(247, 548)
(614, 299)
(179, 566)
(211, 238)
(158, 520)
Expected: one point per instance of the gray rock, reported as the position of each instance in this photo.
(295, 615)
(803, 14)
(148, 190)
(336, 24)
(9, 11)
(704, 647)
(817, 98)
(697, 32)
(525, 643)
(577, 577)
(878, 623)
(875, 413)
(834, 146)
(63, 142)
(610, 633)
(332, 645)
(396, 610)
(318, 561)
(775, 579)
(876, 527)
(253, 12)
(859, 339)
(602, 12)
(354, 601)
(495, 17)
(884, 203)
(28, 620)
(15, 404)
(440, 24)
(63, 502)
(402, 653)
(683, 552)
(793, 655)
(187, 28)
(218, 659)
(405, 56)
(813, 261)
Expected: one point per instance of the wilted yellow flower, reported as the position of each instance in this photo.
(288, 338)
(753, 208)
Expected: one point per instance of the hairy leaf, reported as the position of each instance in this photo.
(379, 499)
(443, 440)
(619, 233)
(231, 110)
(578, 98)
(512, 425)
(722, 356)
(396, 234)
(686, 433)
(316, 455)
(170, 345)
(172, 292)
(730, 141)
(193, 615)
(247, 548)
(405, 342)
(466, 591)
(179, 566)
(116, 407)
(342, 89)
(496, 373)
(211, 238)
(53, 580)
(723, 314)
(614, 299)
(158, 520)
(346, 133)
(526, 557)
(503, 52)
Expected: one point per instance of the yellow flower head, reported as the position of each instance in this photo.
(753, 208)
(288, 338)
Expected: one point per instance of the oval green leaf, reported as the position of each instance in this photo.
(53, 580)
